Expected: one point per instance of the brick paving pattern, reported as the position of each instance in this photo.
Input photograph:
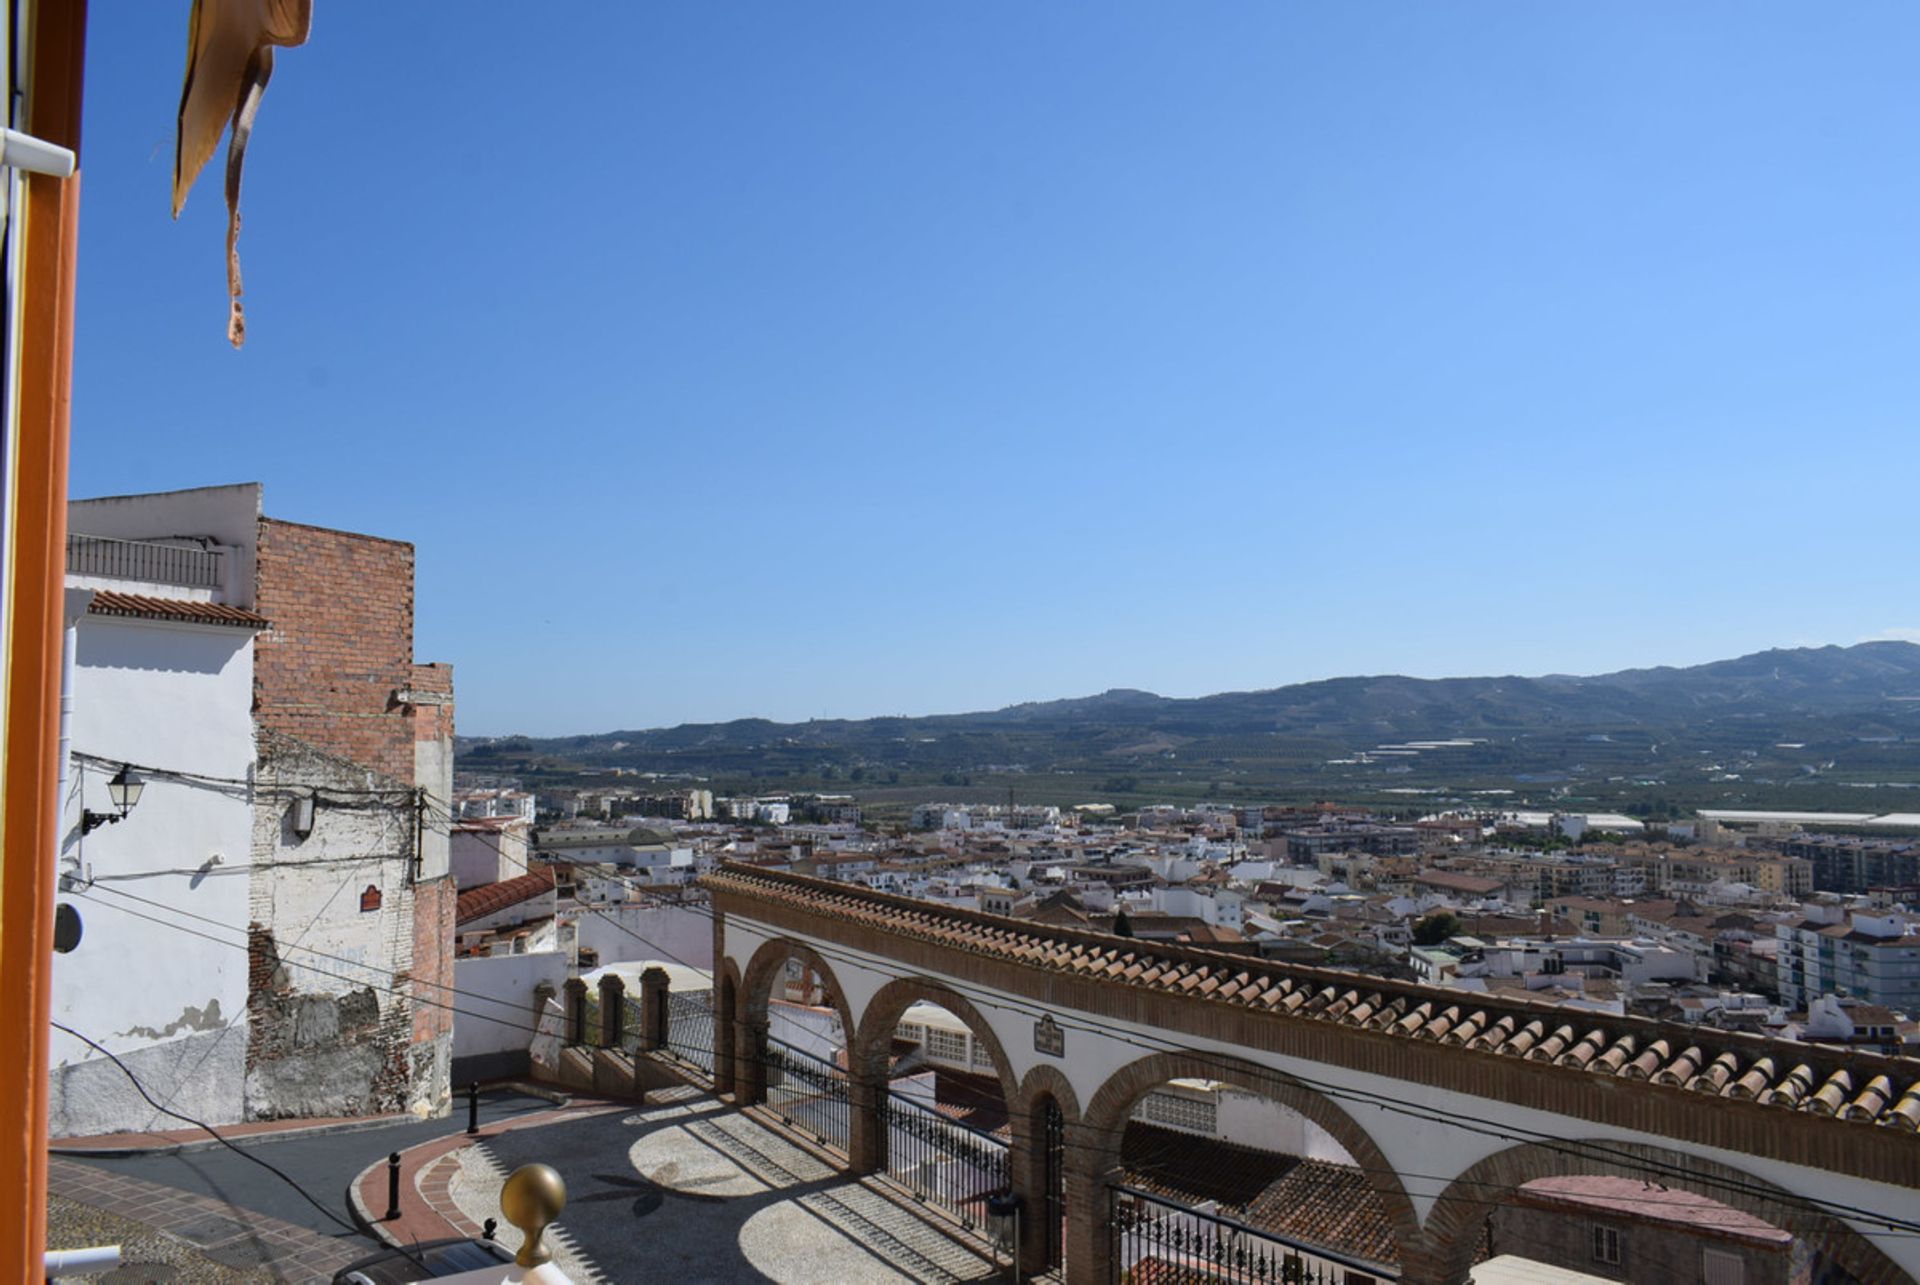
(224, 1233)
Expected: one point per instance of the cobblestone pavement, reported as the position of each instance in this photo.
(696, 1192)
(170, 1235)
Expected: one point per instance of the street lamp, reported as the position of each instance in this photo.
(123, 791)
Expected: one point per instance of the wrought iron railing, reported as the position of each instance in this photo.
(942, 1161)
(172, 564)
(1167, 1243)
(690, 1030)
(810, 1093)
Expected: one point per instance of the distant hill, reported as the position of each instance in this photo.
(1860, 702)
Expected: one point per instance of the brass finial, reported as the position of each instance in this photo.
(532, 1198)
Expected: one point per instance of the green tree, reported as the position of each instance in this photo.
(1435, 928)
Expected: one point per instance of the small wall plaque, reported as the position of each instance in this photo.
(370, 899)
(1048, 1038)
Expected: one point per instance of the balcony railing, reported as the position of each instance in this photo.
(170, 564)
(1162, 1240)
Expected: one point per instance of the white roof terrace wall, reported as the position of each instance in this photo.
(226, 515)
(172, 1004)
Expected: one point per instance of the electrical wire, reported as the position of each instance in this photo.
(1897, 1228)
(222, 1139)
(1578, 1149)
(315, 951)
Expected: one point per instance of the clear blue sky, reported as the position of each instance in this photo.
(805, 359)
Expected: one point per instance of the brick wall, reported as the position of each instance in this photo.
(433, 959)
(340, 706)
(341, 643)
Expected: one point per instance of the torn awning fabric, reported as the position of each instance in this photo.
(230, 46)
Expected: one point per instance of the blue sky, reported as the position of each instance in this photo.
(837, 359)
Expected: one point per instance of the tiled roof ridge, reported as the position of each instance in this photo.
(491, 897)
(1863, 1087)
(112, 602)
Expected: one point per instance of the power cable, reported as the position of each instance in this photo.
(1896, 1228)
(1565, 1146)
(217, 1136)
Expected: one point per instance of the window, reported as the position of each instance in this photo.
(1606, 1245)
(1719, 1267)
(1176, 1111)
(947, 1046)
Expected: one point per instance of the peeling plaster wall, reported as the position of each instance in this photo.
(170, 1003)
(329, 1035)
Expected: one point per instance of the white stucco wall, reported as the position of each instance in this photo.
(650, 932)
(172, 1004)
(499, 1023)
(228, 515)
(1420, 1130)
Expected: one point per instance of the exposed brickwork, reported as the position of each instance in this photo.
(341, 643)
(432, 715)
(341, 708)
(433, 904)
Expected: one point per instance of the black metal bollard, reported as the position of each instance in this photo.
(488, 1227)
(473, 1107)
(393, 1186)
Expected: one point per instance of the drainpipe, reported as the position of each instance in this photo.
(77, 602)
(82, 1262)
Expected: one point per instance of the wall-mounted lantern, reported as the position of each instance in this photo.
(123, 791)
(300, 816)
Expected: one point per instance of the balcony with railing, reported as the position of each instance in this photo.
(148, 561)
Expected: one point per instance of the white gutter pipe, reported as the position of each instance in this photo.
(97, 1261)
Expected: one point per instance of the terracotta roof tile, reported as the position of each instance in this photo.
(490, 898)
(1737, 1065)
(110, 602)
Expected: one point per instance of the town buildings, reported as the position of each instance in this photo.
(284, 879)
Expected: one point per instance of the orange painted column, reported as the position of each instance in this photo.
(38, 534)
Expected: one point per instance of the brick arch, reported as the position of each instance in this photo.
(1454, 1226)
(1047, 1080)
(756, 984)
(756, 989)
(867, 1055)
(1037, 1184)
(1112, 1106)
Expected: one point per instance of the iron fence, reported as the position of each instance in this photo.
(1167, 1243)
(810, 1093)
(173, 564)
(942, 1161)
(690, 1029)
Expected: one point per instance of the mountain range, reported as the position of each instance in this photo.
(1860, 702)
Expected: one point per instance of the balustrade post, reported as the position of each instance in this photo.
(576, 1011)
(613, 1010)
(654, 987)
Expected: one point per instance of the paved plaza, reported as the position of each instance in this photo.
(696, 1192)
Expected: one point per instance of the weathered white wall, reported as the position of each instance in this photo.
(499, 1023)
(330, 1035)
(433, 772)
(1254, 1121)
(173, 1005)
(487, 856)
(229, 515)
(650, 932)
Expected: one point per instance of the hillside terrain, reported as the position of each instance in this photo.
(1813, 723)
